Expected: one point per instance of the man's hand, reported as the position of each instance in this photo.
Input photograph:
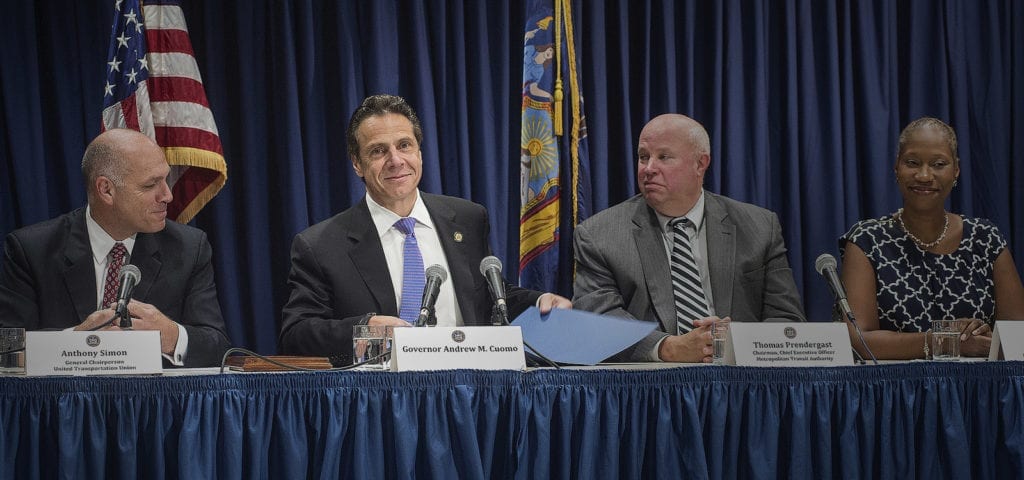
(387, 321)
(692, 347)
(147, 317)
(549, 300)
(96, 318)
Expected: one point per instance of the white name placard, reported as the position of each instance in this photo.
(92, 353)
(447, 348)
(788, 344)
(1007, 341)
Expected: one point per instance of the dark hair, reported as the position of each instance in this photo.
(380, 105)
(928, 122)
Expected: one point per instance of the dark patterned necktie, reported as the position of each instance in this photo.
(413, 278)
(691, 303)
(117, 255)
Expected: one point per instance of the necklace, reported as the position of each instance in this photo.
(923, 245)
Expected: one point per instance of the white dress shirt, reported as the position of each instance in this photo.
(447, 307)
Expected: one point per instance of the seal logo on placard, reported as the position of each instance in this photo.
(789, 332)
(458, 336)
(92, 340)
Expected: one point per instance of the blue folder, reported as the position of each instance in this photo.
(578, 337)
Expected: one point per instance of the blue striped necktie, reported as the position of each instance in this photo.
(413, 278)
(687, 290)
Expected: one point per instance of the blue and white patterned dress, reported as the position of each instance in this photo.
(914, 286)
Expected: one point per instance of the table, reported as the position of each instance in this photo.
(911, 420)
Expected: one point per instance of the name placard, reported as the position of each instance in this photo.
(92, 353)
(448, 348)
(788, 344)
(1007, 341)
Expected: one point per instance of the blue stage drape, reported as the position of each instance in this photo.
(803, 101)
(923, 420)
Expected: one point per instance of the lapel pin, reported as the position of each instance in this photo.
(458, 237)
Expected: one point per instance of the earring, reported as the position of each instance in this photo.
(955, 181)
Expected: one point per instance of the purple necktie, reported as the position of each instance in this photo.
(413, 278)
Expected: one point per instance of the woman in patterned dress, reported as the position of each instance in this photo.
(922, 263)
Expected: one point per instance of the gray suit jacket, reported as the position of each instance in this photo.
(48, 281)
(622, 268)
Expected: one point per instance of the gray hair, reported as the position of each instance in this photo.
(103, 159)
(922, 123)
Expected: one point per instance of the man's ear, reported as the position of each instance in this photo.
(355, 165)
(104, 189)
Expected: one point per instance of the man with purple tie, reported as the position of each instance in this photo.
(365, 265)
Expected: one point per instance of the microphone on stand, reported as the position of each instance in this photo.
(826, 267)
(128, 278)
(436, 275)
(490, 268)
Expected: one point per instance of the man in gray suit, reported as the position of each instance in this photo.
(625, 263)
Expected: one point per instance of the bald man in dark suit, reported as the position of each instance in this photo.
(54, 273)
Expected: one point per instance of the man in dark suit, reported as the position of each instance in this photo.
(625, 255)
(61, 273)
(350, 269)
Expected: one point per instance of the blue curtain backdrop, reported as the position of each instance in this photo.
(803, 101)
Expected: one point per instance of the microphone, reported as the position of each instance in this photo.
(826, 267)
(128, 278)
(436, 275)
(490, 268)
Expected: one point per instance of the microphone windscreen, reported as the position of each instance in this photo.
(437, 271)
(488, 263)
(131, 270)
(824, 260)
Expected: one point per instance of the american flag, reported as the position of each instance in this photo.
(158, 91)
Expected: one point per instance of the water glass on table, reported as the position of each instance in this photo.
(371, 343)
(946, 339)
(12, 350)
(719, 335)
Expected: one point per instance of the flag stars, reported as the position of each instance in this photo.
(131, 76)
(122, 41)
(108, 90)
(117, 5)
(115, 65)
(131, 17)
(143, 64)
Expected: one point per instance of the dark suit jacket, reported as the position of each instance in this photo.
(48, 281)
(339, 274)
(622, 268)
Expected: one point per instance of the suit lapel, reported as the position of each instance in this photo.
(367, 255)
(721, 244)
(461, 271)
(650, 245)
(79, 269)
(146, 256)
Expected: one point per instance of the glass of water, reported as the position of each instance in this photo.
(370, 344)
(12, 350)
(946, 339)
(719, 335)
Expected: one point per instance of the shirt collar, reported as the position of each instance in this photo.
(696, 215)
(384, 219)
(101, 241)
